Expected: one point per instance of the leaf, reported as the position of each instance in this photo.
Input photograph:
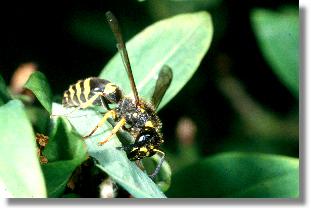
(180, 42)
(39, 118)
(232, 174)
(163, 179)
(20, 173)
(4, 94)
(111, 160)
(39, 85)
(278, 37)
(65, 151)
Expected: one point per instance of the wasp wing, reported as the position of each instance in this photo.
(163, 82)
(114, 25)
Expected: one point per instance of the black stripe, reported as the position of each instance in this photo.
(82, 97)
(75, 98)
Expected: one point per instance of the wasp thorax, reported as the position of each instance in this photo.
(137, 116)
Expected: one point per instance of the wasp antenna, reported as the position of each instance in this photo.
(114, 25)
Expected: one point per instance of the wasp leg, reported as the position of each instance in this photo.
(157, 169)
(64, 115)
(140, 165)
(81, 106)
(108, 114)
(104, 104)
(89, 102)
(114, 131)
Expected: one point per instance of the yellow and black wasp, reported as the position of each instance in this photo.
(132, 114)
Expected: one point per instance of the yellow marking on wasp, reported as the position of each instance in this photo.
(149, 124)
(78, 88)
(87, 88)
(143, 149)
(110, 88)
(142, 110)
(72, 94)
(134, 148)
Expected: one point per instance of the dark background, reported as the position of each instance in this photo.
(43, 33)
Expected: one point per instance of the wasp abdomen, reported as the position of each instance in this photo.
(94, 90)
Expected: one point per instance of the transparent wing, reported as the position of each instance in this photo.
(163, 82)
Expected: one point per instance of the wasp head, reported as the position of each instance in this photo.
(146, 144)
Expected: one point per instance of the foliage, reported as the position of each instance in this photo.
(231, 131)
(65, 150)
(184, 41)
(4, 95)
(20, 174)
(113, 161)
(38, 84)
(278, 36)
(236, 175)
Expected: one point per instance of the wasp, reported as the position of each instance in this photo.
(130, 113)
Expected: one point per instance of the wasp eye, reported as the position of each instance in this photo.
(147, 136)
(143, 138)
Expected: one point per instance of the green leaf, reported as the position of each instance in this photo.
(65, 152)
(163, 179)
(39, 118)
(111, 160)
(180, 42)
(4, 94)
(251, 175)
(278, 37)
(20, 173)
(39, 85)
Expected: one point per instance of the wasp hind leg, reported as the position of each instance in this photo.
(84, 105)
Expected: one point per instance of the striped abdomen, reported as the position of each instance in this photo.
(83, 91)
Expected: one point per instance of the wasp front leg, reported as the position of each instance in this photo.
(137, 152)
